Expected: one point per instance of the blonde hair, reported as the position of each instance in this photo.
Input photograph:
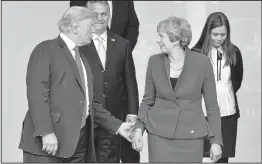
(71, 17)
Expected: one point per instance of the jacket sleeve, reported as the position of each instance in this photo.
(132, 29)
(238, 69)
(39, 71)
(212, 108)
(130, 83)
(104, 118)
(148, 98)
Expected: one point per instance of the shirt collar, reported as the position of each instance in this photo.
(103, 35)
(217, 49)
(70, 44)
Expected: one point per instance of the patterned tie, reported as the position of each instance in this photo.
(81, 73)
(101, 50)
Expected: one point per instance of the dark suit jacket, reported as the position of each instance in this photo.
(177, 113)
(124, 20)
(236, 74)
(56, 101)
(118, 78)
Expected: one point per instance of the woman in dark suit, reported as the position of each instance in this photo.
(171, 110)
(227, 64)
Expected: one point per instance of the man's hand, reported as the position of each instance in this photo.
(126, 129)
(215, 152)
(50, 143)
(137, 140)
(131, 118)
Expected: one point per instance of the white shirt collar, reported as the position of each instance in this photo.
(70, 44)
(103, 35)
(218, 49)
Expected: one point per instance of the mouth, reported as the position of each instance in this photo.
(218, 42)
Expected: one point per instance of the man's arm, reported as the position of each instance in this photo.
(132, 29)
(39, 70)
(130, 83)
(105, 119)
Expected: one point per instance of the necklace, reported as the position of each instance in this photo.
(176, 68)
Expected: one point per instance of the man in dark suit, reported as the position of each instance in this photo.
(123, 22)
(58, 126)
(112, 64)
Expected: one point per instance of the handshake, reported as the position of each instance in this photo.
(134, 136)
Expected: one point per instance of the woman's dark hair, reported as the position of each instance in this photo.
(204, 44)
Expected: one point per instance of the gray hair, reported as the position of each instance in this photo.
(176, 29)
(71, 17)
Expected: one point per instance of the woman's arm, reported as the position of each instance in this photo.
(212, 108)
(148, 98)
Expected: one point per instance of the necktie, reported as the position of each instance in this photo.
(101, 50)
(219, 58)
(81, 73)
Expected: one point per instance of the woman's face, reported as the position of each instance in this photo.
(165, 44)
(218, 36)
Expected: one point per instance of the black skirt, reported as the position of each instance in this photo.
(229, 135)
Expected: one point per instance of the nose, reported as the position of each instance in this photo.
(219, 37)
(99, 17)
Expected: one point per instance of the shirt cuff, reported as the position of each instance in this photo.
(119, 128)
(132, 115)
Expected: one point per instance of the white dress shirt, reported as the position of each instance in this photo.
(111, 13)
(224, 88)
(71, 45)
(96, 42)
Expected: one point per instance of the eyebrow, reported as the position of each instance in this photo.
(218, 33)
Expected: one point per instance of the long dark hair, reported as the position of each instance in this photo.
(204, 44)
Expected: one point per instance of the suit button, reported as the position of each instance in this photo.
(105, 83)
(192, 131)
(81, 102)
(104, 95)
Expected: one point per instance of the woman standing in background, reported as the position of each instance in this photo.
(227, 65)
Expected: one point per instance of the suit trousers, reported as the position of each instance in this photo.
(111, 148)
(80, 155)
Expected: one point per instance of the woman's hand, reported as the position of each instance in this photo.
(215, 152)
(137, 140)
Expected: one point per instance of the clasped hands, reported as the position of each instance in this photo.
(134, 136)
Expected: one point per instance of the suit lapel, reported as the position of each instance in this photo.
(90, 77)
(71, 61)
(110, 47)
(167, 70)
(181, 76)
(91, 51)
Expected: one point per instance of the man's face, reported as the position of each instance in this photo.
(85, 31)
(103, 15)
